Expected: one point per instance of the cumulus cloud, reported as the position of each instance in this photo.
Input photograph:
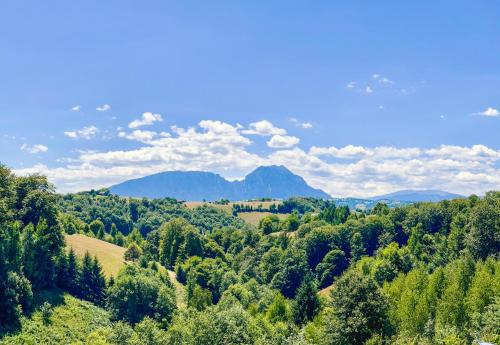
(489, 112)
(38, 148)
(368, 89)
(76, 108)
(351, 85)
(282, 141)
(304, 125)
(351, 170)
(104, 107)
(263, 128)
(147, 119)
(84, 133)
(139, 135)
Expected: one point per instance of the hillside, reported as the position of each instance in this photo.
(72, 321)
(111, 258)
(418, 196)
(264, 182)
(110, 255)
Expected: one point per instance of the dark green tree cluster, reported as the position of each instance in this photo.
(138, 293)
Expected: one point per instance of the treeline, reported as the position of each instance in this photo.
(300, 205)
(126, 215)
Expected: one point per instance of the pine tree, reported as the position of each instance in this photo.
(72, 272)
(13, 247)
(306, 303)
(62, 271)
(100, 233)
(98, 283)
(29, 254)
(85, 278)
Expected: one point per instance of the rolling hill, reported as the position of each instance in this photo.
(275, 182)
(418, 196)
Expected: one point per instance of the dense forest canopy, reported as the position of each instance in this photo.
(426, 273)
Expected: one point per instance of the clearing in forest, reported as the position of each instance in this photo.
(109, 255)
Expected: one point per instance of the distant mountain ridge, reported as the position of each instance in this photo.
(264, 182)
(418, 196)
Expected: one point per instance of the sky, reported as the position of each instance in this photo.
(360, 98)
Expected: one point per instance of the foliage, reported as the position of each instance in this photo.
(139, 292)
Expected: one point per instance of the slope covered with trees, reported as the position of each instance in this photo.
(426, 273)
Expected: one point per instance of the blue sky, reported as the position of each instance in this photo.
(340, 85)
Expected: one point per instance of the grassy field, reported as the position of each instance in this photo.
(71, 322)
(249, 217)
(229, 207)
(110, 256)
(255, 217)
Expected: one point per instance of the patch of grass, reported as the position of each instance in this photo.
(71, 320)
(110, 256)
(255, 217)
(326, 291)
(229, 207)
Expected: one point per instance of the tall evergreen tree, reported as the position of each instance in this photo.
(72, 272)
(98, 283)
(85, 278)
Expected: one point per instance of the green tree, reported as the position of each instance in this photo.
(97, 227)
(484, 235)
(278, 310)
(359, 310)
(138, 293)
(200, 298)
(332, 265)
(133, 252)
(306, 302)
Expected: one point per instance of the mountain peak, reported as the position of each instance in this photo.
(273, 181)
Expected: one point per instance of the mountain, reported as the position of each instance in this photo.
(418, 195)
(264, 182)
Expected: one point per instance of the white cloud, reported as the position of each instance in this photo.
(489, 112)
(38, 148)
(104, 107)
(351, 85)
(76, 108)
(282, 141)
(84, 133)
(350, 170)
(381, 79)
(368, 89)
(263, 128)
(304, 125)
(139, 135)
(146, 119)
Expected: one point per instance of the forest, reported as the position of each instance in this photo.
(425, 273)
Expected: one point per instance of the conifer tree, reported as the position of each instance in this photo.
(85, 278)
(72, 272)
(62, 271)
(98, 283)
